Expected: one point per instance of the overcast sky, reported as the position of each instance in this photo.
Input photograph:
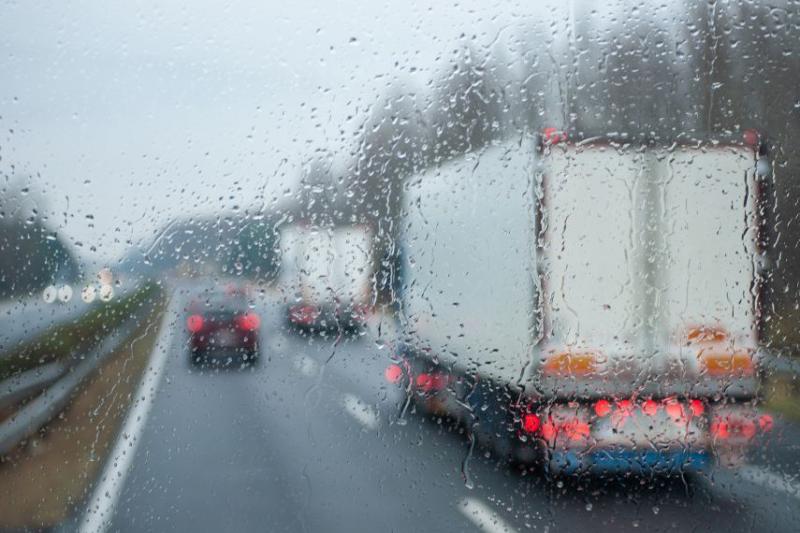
(135, 112)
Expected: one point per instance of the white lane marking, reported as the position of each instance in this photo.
(305, 365)
(483, 516)
(106, 494)
(768, 479)
(363, 413)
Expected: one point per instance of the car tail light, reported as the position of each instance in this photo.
(571, 364)
(765, 422)
(249, 322)
(553, 135)
(751, 137)
(565, 426)
(719, 429)
(696, 407)
(194, 323)
(572, 430)
(625, 405)
(393, 373)
(737, 425)
(650, 407)
(424, 382)
(530, 423)
(434, 381)
(602, 408)
(674, 409)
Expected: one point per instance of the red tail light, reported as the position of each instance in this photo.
(194, 323)
(393, 373)
(602, 408)
(424, 381)
(674, 409)
(751, 137)
(249, 322)
(554, 135)
(435, 381)
(530, 423)
(737, 426)
(650, 407)
(765, 422)
(719, 429)
(697, 407)
(575, 429)
(565, 428)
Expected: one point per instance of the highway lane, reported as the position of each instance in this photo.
(312, 439)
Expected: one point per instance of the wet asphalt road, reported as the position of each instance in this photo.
(312, 439)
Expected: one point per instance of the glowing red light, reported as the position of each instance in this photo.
(765, 422)
(576, 430)
(750, 137)
(748, 429)
(424, 381)
(602, 408)
(194, 323)
(697, 407)
(393, 373)
(249, 322)
(650, 407)
(673, 409)
(553, 135)
(719, 429)
(548, 431)
(530, 423)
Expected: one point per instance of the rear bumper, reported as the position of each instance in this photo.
(322, 317)
(243, 341)
(630, 461)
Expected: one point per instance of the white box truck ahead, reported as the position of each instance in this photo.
(327, 275)
(593, 303)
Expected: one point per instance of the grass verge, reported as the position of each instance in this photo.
(45, 478)
(783, 395)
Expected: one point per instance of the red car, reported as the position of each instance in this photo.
(223, 330)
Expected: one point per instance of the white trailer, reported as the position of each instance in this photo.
(595, 303)
(328, 272)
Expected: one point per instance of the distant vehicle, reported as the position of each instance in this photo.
(326, 274)
(222, 328)
(593, 303)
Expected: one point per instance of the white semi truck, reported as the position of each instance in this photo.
(590, 303)
(327, 275)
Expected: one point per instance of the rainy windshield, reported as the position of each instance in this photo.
(362, 266)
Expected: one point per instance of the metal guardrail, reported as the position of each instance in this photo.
(56, 383)
(25, 384)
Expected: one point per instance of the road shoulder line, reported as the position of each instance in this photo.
(100, 509)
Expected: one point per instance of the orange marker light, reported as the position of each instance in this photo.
(719, 363)
(569, 363)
